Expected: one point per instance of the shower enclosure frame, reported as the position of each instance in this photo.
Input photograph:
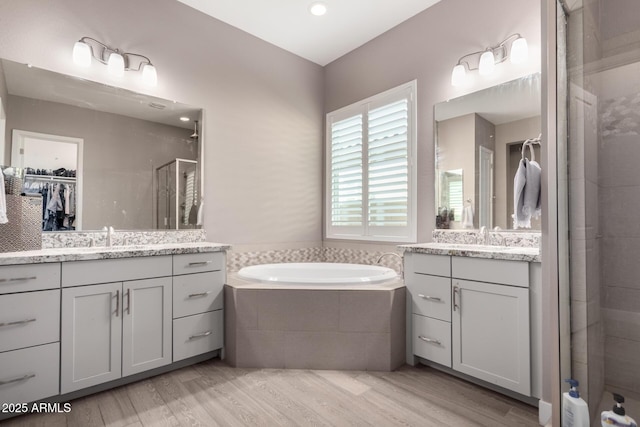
(176, 207)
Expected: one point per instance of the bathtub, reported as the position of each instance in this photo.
(304, 274)
(315, 316)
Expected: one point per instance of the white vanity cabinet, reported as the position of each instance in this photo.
(473, 315)
(116, 329)
(198, 319)
(29, 332)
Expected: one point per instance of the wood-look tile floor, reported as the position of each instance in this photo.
(214, 394)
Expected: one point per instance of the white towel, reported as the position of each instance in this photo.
(532, 207)
(526, 193)
(3, 201)
(200, 217)
(467, 216)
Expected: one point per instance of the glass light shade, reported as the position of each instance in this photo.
(82, 54)
(318, 8)
(149, 75)
(116, 64)
(519, 51)
(458, 75)
(487, 63)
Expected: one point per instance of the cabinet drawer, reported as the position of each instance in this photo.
(198, 263)
(78, 273)
(29, 277)
(29, 319)
(431, 296)
(197, 293)
(197, 334)
(30, 374)
(515, 273)
(432, 339)
(437, 265)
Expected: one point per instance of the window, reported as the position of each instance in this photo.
(370, 176)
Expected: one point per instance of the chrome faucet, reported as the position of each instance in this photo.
(396, 255)
(483, 236)
(110, 232)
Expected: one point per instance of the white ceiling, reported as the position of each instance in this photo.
(288, 24)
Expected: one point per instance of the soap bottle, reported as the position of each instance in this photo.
(575, 412)
(617, 416)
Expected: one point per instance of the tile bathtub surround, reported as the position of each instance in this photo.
(521, 239)
(237, 260)
(315, 329)
(74, 239)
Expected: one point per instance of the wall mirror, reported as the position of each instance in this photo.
(479, 138)
(121, 158)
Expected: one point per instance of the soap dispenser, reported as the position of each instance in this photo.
(617, 416)
(575, 412)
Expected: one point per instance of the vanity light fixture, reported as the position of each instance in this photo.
(117, 61)
(318, 8)
(485, 60)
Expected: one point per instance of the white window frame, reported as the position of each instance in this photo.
(408, 233)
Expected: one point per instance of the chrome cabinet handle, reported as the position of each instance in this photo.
(18, 279)
(430, 298)
(117, 302)
(195, 264)
(129, 301)
(200, 335)
(17, 322)
(199, 294)
(430, 340)
(456, 291)
(17, 380)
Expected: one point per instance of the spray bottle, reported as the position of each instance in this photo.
(575, 412)
(617, 417)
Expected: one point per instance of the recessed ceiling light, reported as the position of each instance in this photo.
(318, 8)
(184, 119)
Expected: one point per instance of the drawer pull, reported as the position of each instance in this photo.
(199, 263)
(430, 298)
(17, 380)
(199, 294)
(18, 279)
(429, 340)
(18, 322)
(200, 335)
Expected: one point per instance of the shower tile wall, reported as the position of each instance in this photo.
(619, 155)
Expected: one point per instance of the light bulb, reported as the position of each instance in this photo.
(82, 54)
(116, 64)
(519, 51)
(458, 75)
(318, 8)
(487, 63)
(149, 75)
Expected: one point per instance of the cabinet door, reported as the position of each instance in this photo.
(146, 325)
(491, 333)
(91, 336)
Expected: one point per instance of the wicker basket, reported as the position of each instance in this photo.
(23, 232)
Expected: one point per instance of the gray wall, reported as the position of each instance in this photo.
(426, 47)
(263, 105)
(3, 109)
(120, 157)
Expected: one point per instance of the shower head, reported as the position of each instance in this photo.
(194, 135)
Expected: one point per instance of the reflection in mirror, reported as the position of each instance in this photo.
(115, 139)
(481, 135)
(450, 198)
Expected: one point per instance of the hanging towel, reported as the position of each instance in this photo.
(532, 207)
(467, 216)
(3, 201)
(200, 217)
(519, 182)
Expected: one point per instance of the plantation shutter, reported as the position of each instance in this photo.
(370, 185)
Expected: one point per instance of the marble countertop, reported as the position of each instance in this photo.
(102, 252)
(512, 253)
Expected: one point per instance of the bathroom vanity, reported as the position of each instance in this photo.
(80, 320)
(474, 311)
